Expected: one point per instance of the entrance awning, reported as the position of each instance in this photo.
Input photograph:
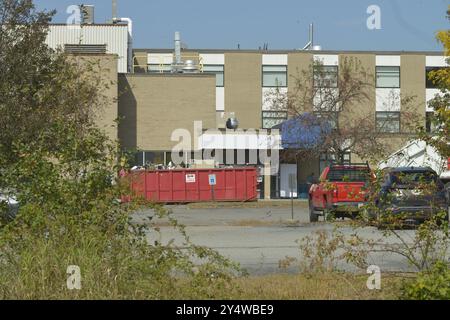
(303, 132)
(240, 140)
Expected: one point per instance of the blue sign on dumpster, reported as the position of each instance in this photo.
(212, 180)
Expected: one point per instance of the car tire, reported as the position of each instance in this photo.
(313, 216)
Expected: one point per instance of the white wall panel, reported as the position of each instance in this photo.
(322, 100)
(268, 97)
(114, 36)
(436, 61)
(388, 61)
(388, 100)
(208, 58)
(160, 58)
(327, 59)
(275, 59)
(220, 99)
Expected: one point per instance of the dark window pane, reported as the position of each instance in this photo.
(156, 158)
(273, 118)
(412, 178)
(274, 76)
(348, 175)
(326, 76)
(388, 122)
(431, 124)
(430, 84)
(139, 159)
(218, 70)
(388, 77)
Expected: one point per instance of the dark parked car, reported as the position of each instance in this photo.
(412, 195)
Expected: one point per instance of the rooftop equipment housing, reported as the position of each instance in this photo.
(178, 65)
(87, 14)
(85, 48)
(129, 22)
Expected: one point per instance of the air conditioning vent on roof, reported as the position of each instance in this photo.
(85, 48)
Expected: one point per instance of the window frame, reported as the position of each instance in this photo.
(430, 127)
(315, 86)
(399, 77)
(428, 83)
(273, 118)
(327, 158)
(377, 120)
(216, 73)
(332, 117)
(274, 72)
(142, 156)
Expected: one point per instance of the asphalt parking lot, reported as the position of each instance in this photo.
(259, 237)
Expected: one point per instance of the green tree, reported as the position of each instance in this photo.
(440, 139)
(62, 169)
(340, 98)
(40, 88)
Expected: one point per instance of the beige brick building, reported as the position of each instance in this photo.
(246, 78)
(152, 101)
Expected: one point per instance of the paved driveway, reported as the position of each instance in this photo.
(258, 238)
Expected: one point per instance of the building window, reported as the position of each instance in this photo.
(327, 159)
(325, 76)
(429, 82)
(218, 70)
(274, 76)
(160, 68)
(388, 77)
(331, 118)
(388, 122)
(431, 126)
(155, 158)
(273, 118)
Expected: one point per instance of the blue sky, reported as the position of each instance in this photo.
(283, 24)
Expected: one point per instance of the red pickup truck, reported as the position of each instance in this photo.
(341, 191)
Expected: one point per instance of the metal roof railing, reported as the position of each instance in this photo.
(162, 66)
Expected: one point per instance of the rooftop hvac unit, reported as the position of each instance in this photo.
(190, 67)
(87, 14)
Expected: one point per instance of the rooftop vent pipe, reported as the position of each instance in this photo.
(177, 66)
(114, 9)
(177, 48)
(310, 45)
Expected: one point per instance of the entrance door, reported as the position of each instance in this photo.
(286, 171)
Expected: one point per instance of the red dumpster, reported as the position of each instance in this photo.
(196, 185)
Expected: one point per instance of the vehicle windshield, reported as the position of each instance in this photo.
(412, 178)
(348, 175)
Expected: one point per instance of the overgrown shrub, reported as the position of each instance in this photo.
(63, 171)
(70, 215)
(433, 284)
